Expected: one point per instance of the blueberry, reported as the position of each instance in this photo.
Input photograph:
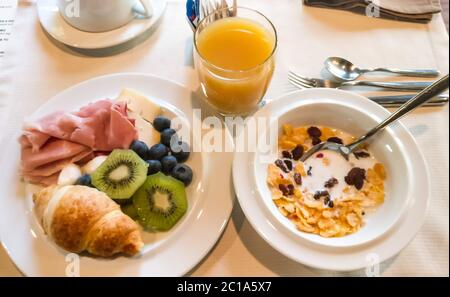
(168, 163)
(166, 137)
(154, 166)
(157, 152)
(183, 173)
(139, 148)
(84, 180)
(161, 123)
(181, 151)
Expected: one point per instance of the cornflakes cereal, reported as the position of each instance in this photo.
(338, 208)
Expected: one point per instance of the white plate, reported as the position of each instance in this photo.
(59, 29)
(387, 231)
(172, 253)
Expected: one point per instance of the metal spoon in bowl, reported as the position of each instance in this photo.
(346, 70)
(345, 150)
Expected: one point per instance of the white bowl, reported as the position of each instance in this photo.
(387, 230)
(386, 147)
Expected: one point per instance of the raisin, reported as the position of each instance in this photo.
(326, 200)
(314, 132)
(349, 181)
(331, 182)
(288, 164)
(284, 189)
(280, 164)
(298, 178)
(335, 140)
(359, 183)
(286, 154)
(291, 189)
(316, 140)
(356, 177)
(356, 173)
(331, 204)
(361, 154)
(297, 152)
(319, 194)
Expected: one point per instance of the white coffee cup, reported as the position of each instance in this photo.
(100, 15)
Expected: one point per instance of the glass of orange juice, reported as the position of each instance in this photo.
(234, 57)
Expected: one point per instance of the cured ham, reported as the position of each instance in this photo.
(60, 138)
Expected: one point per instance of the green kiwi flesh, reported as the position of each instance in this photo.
(160, 202)
(121, 174)
(130, 210)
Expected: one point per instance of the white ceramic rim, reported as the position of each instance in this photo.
(208, 222)
(315, 255)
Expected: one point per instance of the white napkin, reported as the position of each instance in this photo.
(405, 10)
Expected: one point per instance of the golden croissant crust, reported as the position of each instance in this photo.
(80, 218)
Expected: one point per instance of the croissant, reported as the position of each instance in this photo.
(80, 218)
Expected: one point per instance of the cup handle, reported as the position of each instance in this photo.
(148, 9)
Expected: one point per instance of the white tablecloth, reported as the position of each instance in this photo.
(34, 70)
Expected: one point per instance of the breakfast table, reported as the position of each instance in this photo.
(33, 68)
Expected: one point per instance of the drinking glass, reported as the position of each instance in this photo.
(235, 91)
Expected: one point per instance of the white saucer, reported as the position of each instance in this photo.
(56, 27)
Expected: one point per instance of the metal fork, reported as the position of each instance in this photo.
(305, 82)
(210, 6)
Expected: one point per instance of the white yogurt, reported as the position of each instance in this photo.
(328, 164)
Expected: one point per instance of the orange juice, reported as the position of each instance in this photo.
(235, 63)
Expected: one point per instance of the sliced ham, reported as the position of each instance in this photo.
(43, 180)
(54, 150)
(56, 166)
(60, 138)
(102, 126)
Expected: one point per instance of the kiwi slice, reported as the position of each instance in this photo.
(130, 210)
(122, 202)
(160, 202)
(121, 174)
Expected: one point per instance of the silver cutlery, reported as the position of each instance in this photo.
(218, 7)
(433, 90)
(305, 82)
(398, 100)
(346, 70)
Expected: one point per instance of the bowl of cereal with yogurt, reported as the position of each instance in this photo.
(328, 200)
(329, 212)
(326, 194)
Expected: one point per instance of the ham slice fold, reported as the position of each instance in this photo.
(61, 138)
